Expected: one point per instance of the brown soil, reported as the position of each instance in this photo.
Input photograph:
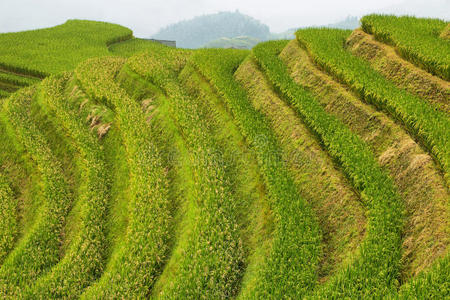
(422, 186)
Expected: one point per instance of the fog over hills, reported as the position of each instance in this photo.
(204, 29)
(146, 18)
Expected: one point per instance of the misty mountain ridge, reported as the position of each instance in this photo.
(229, 30)
(199, 31)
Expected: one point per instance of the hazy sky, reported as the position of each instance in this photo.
(146, 17)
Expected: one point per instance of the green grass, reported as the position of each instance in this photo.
(84, 258)
(318, 178)
(137, 259)
(376, 270)
(291, 268)
(15, 79)
(133, 46)
(214, 244)
(416, 39)
(8, 87)
(4, 94)
(430, 126)
(430, 284)
(22, 176)
(39, 249)
(175, 153)
(386, 61)
(253, 211)
(423, 189)
(58, 48)
(8, 218)
(137, 170)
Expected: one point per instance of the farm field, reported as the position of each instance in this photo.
(311, 168)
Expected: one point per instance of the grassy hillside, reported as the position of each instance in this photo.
(417, 40)
(27, 57)
(59, 48)
(312, 168)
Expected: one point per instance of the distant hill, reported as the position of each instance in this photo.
(201, 30)
(240, 42)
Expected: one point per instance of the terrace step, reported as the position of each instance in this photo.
(385, 60)
(417, 177)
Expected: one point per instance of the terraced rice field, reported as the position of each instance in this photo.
(312, 168)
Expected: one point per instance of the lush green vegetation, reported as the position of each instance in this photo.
(214, 244)
(138, 257)
(8, 221)
(3, 93)
(38, 250)
(60, 48)
(84, 259)
(384, 59)
(421, 119)
(337, 206)
(132, 46)
(433, 284)
(28, 56)
(19, 81)
(291, 267)
(415, 39)
(395, 151)
(376, 271)
(137, 170)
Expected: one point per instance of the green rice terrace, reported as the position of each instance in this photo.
(313, 168)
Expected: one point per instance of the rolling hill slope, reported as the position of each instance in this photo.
(310, 168)
(29, 56)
